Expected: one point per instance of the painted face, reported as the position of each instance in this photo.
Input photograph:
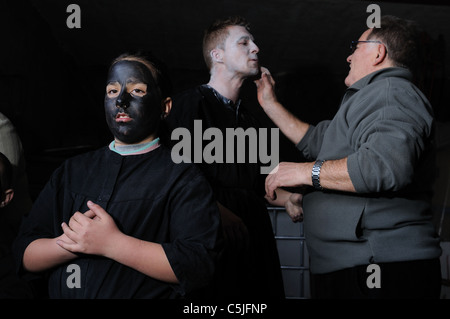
(132, 102)
(241, 52)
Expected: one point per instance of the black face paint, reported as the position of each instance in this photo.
(131, 117)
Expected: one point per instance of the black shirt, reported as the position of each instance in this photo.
(255, 270)
(150, 198)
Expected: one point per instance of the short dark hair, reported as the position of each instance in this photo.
(216, 34)
(402, 40)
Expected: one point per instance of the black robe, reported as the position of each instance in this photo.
(150, 198)
(254, 271)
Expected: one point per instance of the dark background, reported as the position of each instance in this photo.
(52, 78)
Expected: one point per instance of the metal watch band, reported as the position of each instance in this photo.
(315, 174)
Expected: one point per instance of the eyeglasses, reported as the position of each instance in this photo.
(354, 44)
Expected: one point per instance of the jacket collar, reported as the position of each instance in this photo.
(397, 72)
(225, 101)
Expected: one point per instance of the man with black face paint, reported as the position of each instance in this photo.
(124, 221)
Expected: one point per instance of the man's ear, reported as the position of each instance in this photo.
(381, 54)
(8, 196)
(216, 55)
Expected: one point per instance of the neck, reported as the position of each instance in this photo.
(229, 87)
(118, 142)
(134, 149)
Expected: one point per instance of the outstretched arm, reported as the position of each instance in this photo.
(293, 128)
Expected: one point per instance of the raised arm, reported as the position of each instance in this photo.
(293, 128)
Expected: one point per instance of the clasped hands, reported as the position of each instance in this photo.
(93, 232)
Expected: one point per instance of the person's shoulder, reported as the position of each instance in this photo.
(188, 94)
(78, 166)
(176, 166)
(171, 163)
(86, 158)
(400, 82)
(7, 128)
(393, 77)
(4, 118)
(185, 106)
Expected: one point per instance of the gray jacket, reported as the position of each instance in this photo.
(384, 127)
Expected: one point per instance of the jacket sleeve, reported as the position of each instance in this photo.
(311, 143)
(195, 232)
(390, 141)
(42, 221)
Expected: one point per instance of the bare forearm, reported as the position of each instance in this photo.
(282, 196)
(96, 233)
(293, 128)
(143, 256)
(334, 175)
(44, 253)
(146, 257)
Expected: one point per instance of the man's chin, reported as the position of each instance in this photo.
(255, 74)
(348, 82)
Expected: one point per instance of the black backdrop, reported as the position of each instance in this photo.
(52, 77)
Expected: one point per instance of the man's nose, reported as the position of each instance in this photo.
(255, 48)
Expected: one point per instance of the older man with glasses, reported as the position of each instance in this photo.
(367, 211)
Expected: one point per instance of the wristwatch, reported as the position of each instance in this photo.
(315, 174)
